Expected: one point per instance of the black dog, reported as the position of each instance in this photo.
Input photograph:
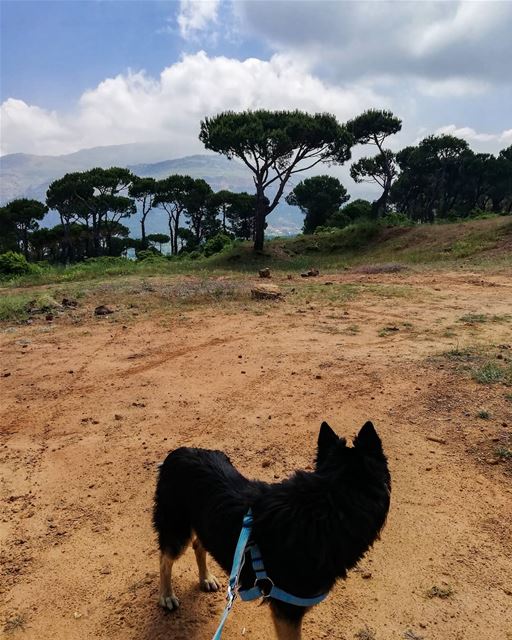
(311, 528)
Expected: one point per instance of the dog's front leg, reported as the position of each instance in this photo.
(286, 629)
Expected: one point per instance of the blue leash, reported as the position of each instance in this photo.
(257, 590)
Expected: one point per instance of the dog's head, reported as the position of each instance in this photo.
(332, 449)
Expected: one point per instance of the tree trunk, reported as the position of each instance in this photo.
(262, 207)
(143, 229)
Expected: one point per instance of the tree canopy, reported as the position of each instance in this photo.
(318, 198)
(373, 127)
(274, 145)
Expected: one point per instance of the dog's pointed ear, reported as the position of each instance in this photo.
(326, 440)
(367, 438)
(326, 437)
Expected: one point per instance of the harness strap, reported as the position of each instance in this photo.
(234, 576)
(257, 591)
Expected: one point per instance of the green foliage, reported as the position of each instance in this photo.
(396, 219)
(274, 145)
(318, 198)
(374, 125)
(13, 264)
(149, 254)
(216, 244)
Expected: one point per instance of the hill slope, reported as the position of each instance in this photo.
(28, 176)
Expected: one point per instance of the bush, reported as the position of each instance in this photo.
(396, 219)
(13, 264)
(216, 244)
(357, 209)
(149, 255)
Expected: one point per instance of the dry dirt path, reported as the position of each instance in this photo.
(89, 409)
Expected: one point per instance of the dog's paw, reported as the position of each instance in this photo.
(210, 583)
(169, 602)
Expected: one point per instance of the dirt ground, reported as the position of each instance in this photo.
(89, 406)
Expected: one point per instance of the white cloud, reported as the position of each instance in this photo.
(469, 134)
(135, 107)
(196, 15)
(451, 87)
(23, 126)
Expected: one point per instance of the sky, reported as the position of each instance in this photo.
(77, 74)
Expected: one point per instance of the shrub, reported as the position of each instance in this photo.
(149, 255)
(13, 264)
(216, 244)
(396, 219)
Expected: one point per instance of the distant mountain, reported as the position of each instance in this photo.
(28, 176)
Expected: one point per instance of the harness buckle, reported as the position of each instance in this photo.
(265, 585)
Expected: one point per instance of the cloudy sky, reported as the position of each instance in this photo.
(78, 74)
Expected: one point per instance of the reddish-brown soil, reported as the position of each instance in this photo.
(91, 406)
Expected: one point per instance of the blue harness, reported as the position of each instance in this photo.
(258, 590)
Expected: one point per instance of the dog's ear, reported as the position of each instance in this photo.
(326, 440)
(326, 437)
(367, 438)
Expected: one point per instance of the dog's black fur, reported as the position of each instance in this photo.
(311, 528)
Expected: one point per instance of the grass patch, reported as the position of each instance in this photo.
(504, 453)
(15, 623)
(491, 373)
(444, 592)
(376, 248)
(387, 331)
(483, 414)
(365, 634)
(13, 308)
(474, 318)
(352, 330)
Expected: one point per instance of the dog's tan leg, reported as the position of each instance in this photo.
(286, 630)
(167, 597)
(207, 581)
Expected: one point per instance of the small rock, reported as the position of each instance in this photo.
(118, 416)
(69, 302)
(366, 575)
(265, 464)
(49, 317)
(493, 461)
(6, 374)
(103, 310)
(264, 273)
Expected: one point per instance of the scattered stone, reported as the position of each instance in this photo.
(266, 292)
(289, 276)
(6, 374)
(49, 317)
(264, 273)
(118, 416)
(328, 282)
(265, 464)
(69, 302)
(366, 575)
(310, 273)
(318, 377)
(436, 439)
(103, 310)
(493, 461)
